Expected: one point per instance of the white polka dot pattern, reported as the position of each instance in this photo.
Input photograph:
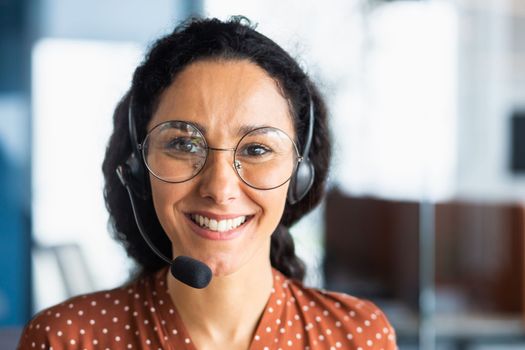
(141, 315)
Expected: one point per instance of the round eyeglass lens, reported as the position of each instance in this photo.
(265, 158)
(174, 151)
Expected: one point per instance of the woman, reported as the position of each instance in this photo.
(221, 144)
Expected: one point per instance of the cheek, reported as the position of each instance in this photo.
(165, 196)
(272, 203)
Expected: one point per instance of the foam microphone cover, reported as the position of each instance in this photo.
(192, 272)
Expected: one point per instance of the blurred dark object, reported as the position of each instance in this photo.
(15, 306)
(372, 252)
(15, 163)
(480, 252)
(517, 138)
(9, 337)
(372, 248)
(14, 45)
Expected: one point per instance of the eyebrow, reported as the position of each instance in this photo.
(243, 130)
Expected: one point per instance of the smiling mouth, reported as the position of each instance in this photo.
(219, 225)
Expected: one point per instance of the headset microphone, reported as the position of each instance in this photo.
(189, 271)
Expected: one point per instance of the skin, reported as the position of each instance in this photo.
(224, 97)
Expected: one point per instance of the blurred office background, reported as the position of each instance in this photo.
(425, 212)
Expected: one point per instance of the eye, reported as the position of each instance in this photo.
(255, 150)
(184, 145)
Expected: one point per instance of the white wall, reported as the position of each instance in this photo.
(491, 81)
(130, 20)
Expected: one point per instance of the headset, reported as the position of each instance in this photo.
(135, 169)
(132, 175)
(303, 178)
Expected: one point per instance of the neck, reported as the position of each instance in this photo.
(232, 304)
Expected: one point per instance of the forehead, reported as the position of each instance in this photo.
(224, 97)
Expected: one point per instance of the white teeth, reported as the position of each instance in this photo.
(238, 221)
(221, 225)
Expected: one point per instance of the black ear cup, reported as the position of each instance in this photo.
(136, 172)
(301, 182)
(136, 177)
(303, 178)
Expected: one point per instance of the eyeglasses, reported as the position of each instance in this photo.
(176, 151)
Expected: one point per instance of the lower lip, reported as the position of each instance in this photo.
(216, 235)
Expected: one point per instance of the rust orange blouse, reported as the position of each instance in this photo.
(141, 315)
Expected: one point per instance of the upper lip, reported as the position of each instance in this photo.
(216, 216)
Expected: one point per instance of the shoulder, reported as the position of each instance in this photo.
(78, 321)
(357, 321)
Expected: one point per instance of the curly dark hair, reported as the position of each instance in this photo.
(211, 39)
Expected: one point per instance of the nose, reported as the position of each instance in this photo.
(219, 181)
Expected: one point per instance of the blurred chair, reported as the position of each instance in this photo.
(60, 272)
(372, 248)
(372, 251)
(480, 252)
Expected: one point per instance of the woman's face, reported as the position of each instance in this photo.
(225, 98)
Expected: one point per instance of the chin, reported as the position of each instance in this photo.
(228, 257)
(221, 267)
(226, 264)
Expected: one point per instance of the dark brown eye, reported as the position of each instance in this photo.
(184, 144)
(254, 150)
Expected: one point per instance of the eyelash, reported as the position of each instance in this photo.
(259, 146)
(177, 142)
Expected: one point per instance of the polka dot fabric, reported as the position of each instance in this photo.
(141, 315)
